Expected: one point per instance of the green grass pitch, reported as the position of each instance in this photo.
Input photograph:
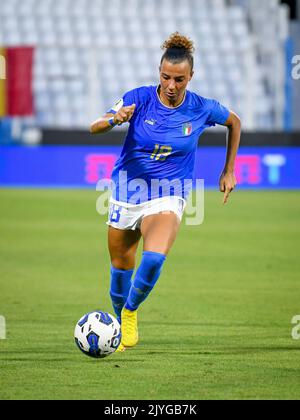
(217, 326)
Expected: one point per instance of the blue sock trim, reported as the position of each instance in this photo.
(119, 288)
(117, 270)
(146, 277)
(155, 254)
(117, 299)
(120, 280)
(129, 307)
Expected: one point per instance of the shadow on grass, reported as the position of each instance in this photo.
(140, 352)
(220, 351)
(206, 324)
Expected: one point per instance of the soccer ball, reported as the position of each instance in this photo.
(98, 334)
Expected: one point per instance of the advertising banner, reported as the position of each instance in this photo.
(83, 167)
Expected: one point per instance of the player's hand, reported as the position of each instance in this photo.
(227, 184)
(124, 115)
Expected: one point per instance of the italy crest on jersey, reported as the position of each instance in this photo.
(187, 129)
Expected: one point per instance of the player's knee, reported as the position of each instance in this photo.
(125, 262)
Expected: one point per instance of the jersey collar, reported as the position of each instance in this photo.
(170, 107)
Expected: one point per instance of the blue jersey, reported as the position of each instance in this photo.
(161, 144)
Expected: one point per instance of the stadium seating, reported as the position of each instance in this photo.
(88, 53)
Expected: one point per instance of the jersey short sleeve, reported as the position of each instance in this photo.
(219, 114)
(128, 99)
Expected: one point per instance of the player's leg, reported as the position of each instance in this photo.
(159, 232)
(123, 245)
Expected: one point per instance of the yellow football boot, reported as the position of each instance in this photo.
(130, 336)
(121, 348)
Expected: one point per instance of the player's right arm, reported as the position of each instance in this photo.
(109, 121)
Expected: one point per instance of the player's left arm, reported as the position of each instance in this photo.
(228, 180)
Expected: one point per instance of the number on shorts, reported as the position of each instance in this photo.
(115, 214)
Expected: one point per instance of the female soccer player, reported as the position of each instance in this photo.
(165, 125)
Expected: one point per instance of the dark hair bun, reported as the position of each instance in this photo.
(179, 41)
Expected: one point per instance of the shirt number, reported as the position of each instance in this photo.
(161, 152)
